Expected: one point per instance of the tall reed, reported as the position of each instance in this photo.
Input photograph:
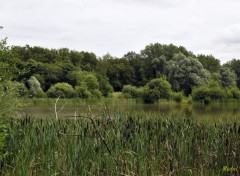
(122, 144)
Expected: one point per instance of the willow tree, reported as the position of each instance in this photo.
(185, 73)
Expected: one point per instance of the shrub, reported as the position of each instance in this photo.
(8, 96)
(157, 89)
(63, 90)
(217, 93)
(147, 96)
(20, 88)
(140, 92)
(129, 91)
(41, 94)
(201, 94)
(235, 92)
(83, 92)
(207, 93)
(161, 87)
(96, 93)
(89, 87)
(150, 95)
(177, 96)
(106, 89)
(91, 82)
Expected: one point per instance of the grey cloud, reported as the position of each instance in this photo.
(117, 26)
(158, 3)
(230, 35)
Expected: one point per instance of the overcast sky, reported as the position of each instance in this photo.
(119, 26)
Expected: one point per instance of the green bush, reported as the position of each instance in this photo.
(217, 93)
(20, 88)
(41, 94)
(177, 96)
(129, 91)
(64, 90)
(8, 96)
(140, 92)
(89, 87)
(106, 89)
(201, 94)
(235, 92)
(91, 82)
(208, 93)
(83, 92)
(161, 87)
(8, 99)
(157, 89)
(96, 93)
(228, 93)
(151, 95)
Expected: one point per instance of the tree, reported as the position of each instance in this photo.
(8, 95)
(119, 72)
(149, 53)
(158, 50)
(89, 61)
(104, 85)
(34, 86)
(88, 87)
(76, 58)
(136, 63)
(75, 77)
(160, 66)
(234, 64)
(227, 77)
(210, 63)
(184, 73)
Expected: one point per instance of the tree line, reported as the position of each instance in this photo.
(159, 71)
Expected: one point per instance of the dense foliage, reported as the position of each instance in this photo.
(8, 96)
(156, 89)
(40, 69)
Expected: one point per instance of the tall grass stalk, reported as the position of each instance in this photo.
(123, 144)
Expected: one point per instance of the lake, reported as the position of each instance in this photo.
(211, 112)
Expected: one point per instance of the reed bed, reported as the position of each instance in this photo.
(122, 144)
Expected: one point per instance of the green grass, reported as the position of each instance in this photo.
(123, 144)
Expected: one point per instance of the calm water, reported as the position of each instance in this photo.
(209, 112)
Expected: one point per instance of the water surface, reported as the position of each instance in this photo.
(218, 111)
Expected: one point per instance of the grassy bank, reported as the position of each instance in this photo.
(123, 144)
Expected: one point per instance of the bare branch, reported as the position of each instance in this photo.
(55, 107)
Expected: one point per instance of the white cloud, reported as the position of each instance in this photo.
(101, 26)
(231, 35)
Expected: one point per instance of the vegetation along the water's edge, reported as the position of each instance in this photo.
(114, 141)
